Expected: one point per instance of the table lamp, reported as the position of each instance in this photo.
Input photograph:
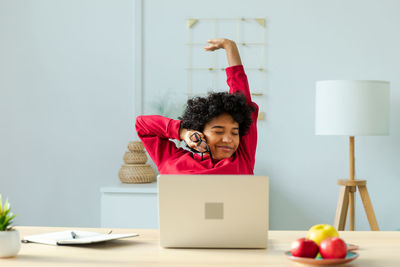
(352, 108)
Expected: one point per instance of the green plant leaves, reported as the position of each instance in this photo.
(6, 216)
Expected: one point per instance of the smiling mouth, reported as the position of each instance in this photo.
(225, 148)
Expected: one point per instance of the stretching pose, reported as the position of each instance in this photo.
(220, 130)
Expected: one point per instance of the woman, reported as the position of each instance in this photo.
(222, 126)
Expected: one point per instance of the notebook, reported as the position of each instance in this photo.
(73, 237)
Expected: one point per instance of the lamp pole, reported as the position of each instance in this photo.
(352, 189)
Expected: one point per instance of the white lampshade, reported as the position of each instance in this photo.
(352, 108)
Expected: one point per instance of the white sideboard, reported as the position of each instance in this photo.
(129, 206)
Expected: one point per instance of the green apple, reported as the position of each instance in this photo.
(319, 232)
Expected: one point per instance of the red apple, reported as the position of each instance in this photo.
(304, 247)
(333, 248)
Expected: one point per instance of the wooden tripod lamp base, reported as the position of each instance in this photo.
(346, 199)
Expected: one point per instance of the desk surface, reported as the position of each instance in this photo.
(376, 249)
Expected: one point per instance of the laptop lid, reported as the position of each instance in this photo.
(213, 211)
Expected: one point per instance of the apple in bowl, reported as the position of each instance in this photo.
(333, 248)
(304, 247)
(319, 232)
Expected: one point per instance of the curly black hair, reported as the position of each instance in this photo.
(201, 110)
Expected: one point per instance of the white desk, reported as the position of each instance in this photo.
(379, 249)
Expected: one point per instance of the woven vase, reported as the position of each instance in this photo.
(135, 146)
(136, 173)
(135, 157)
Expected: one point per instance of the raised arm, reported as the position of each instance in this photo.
(237, 81)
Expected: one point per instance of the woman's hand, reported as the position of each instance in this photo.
(232, 52)
(218, 43)
(193, 138)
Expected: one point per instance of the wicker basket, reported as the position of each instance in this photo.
(136, 157)
(136, 174)
(135, 146)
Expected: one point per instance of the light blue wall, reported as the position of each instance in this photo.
(66, 81)
(67, 93)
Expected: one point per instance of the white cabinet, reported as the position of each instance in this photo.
(129, 206)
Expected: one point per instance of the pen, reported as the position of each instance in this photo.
(74, 235)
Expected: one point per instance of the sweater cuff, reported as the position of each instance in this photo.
(173, 129)
(230, 71)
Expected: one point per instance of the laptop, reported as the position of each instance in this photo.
(213, 211)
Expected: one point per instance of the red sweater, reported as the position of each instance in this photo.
(155, 132)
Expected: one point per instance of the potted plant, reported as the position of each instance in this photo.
(9, 238)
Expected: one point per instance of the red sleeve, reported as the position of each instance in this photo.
(237, 82)
(155, 131)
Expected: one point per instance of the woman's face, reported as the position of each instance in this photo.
(222, 136)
